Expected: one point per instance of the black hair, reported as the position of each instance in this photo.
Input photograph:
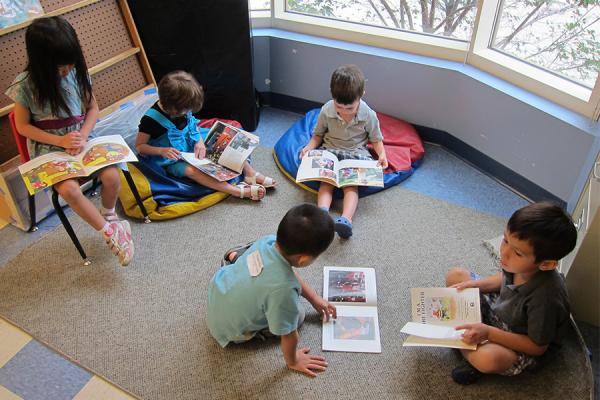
(347, 84)
(547, 227)
(51, 42)
(305, 230)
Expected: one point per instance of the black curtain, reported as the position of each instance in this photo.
(210, 39)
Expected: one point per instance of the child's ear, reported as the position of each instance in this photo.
(548, 265)
(304, 260)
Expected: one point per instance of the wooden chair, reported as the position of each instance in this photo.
(21, 142)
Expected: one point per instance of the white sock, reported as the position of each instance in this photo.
(106, 229)
(105, 211)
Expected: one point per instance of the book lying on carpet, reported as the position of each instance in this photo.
(435, 314)
(51, 168)
(324, 166)
(353, 291)
(227, 148)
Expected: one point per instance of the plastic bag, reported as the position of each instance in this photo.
(126, 119)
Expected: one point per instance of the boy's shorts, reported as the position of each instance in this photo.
(177, 169)
(489, 317)
(357, 154)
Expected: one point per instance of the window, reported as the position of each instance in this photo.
(451, 19)
(558, 36)
(259, 5)
(548, 47)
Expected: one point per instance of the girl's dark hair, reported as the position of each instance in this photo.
(179, 91)
(547, 227)
(51, 42)
(305, 230)
(347, 84)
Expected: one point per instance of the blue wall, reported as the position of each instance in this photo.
(544, 143)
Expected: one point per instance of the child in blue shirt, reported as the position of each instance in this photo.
(169, 128)
(259, 294)
(524, 307)
(345, 126)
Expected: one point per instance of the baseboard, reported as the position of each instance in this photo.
(461, 149)
(288, 103)
(488, 165)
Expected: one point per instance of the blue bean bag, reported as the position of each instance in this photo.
(164, 196)
(403, 147)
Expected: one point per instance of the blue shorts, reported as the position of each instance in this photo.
(177, 169)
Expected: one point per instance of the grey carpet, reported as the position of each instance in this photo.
(143, 327)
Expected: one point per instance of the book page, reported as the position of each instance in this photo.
(435, 313)
(210, 168)
(103, 151)
(48, 169)
(229, 146)
(431, 331)
(318, 165)
(445, 306)
(350, 286)
(416, 341)
(356, 329)
(360, 173)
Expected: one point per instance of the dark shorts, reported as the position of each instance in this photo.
(489, 317)
(177, 169)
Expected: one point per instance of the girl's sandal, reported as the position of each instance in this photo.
(254, 191)
(267, 183)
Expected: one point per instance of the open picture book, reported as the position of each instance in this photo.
(324, 166)
(49, 169)
(353, 291)
(227, 148)
(435, 314)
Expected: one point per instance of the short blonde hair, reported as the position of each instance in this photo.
(179, 91)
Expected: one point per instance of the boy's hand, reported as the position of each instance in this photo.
(305, 150)
(305, 363)
(200, 150)
(464, 285)
(382, 161)
(72, 140)
(170, 153)
(475, 333)
(325, 309)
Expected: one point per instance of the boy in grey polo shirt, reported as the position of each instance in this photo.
(345, 126)
(525, 307)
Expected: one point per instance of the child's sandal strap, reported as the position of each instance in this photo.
(254, 195)
(242, 186)
(268, 181)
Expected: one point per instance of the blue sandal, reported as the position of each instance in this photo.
(343, 227)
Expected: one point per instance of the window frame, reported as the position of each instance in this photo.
(477, 53)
